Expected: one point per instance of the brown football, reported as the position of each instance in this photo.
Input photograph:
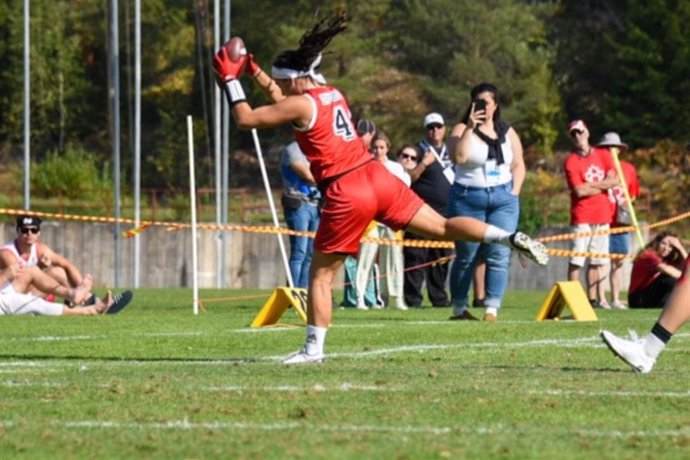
(235, 48)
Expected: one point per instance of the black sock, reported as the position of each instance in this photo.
(661, 333)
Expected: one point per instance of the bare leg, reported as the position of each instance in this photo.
(601, 286)
(677, 310)
(33, 276)
(573, 272)
(429, 223)
(616, 280)
(99, 308)
(320, 298)
(592, 281)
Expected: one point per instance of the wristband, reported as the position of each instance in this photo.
(234, 92)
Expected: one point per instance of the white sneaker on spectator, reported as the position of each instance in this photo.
(631, 351)
(302, 357)
(618, 305)
(362, 307)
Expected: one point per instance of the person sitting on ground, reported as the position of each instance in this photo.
(655, 271)
(16, 279)
(27, 250)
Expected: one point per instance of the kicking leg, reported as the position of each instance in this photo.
(430, 223)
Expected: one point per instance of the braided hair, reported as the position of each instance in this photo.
(312, 43)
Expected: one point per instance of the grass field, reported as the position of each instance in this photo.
(157, 382)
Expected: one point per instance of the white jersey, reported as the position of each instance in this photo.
(33, 254)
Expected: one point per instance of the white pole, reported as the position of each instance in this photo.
(192, 199)
(281, 244)
(137, 137)
(27, 108)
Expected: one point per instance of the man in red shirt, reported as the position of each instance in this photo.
(590, 174)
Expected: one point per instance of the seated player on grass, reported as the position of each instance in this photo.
(15, 280)
(27, 250)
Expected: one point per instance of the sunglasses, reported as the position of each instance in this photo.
(26, 230)
(575, 132)
(407, 156)
(434, 126)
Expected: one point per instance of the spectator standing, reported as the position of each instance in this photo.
(655, 271)
(489, 172)
(390, 257)
(619, 243)
(431, 179)
(590, 175)
(300, 202)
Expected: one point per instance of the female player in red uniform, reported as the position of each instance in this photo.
(355, 188)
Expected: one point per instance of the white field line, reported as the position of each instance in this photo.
(186, 425)
(590, 342)
(346, 386)
(26, 383)
(55, 338)
(613, 394)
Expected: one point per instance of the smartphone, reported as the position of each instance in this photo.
(479, 104)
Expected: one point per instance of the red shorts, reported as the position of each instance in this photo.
(368, 193)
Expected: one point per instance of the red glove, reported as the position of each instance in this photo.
(225, 69)
(252, 68)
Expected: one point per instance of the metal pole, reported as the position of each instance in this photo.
(27, 107)
(225, 155)
(137, 137)
(216, 149)
(115, 95)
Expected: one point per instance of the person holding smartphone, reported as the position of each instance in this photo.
(489, 172)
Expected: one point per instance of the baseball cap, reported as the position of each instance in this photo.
(433, 118)
(578, 125)
(28, 221)
(365, 126)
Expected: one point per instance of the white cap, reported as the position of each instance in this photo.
(433, 118)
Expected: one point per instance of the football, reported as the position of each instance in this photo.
(235, 48)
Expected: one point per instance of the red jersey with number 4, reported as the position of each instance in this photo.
(330, 142)
(579, 169)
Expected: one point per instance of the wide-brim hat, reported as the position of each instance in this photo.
(612, 139)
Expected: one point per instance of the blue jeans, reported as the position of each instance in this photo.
(304, 218)
(493, 205)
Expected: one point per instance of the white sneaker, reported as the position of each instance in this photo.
(362, 307)
(302, 357)
(631, 351)
(529, 248)
(401, 306)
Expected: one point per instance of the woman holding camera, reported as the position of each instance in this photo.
(489, 172)
(655, 271)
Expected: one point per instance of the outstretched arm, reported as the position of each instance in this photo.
(268, 86)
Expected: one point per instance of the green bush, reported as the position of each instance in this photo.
(73, 174)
